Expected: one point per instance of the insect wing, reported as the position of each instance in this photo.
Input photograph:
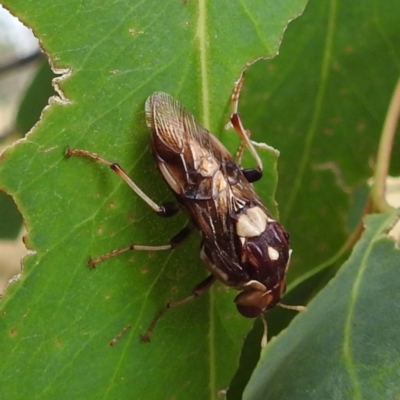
(186, 153)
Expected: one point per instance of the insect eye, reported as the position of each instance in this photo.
(252, 303)
(249, 303)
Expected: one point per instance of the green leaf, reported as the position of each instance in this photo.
(57, 321)
(322, 102)
(347, 345)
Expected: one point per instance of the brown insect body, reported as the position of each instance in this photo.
(242, 245)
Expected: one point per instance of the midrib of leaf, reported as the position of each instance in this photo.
(324, 73)
(108, 393)
(203, 54)
(201, 34)
(347, 331)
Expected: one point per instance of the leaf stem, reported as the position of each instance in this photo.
(384, 152)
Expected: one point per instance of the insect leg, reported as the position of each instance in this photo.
(200, 289)
(264, 338)
(264, 322)
(243, 133)
(174, 242)
(114, 341)
(164, 210)
(294, 308)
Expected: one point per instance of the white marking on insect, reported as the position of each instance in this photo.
(273, 254)
(237, 203)
(288, 261)
(220, 185)
(208, 167)
(252, 223)
(256, 285)
(211, 222)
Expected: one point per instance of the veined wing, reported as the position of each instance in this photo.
(188, 155)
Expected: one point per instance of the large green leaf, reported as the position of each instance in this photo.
(347, 345)
(322, 103)
(57, 321)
